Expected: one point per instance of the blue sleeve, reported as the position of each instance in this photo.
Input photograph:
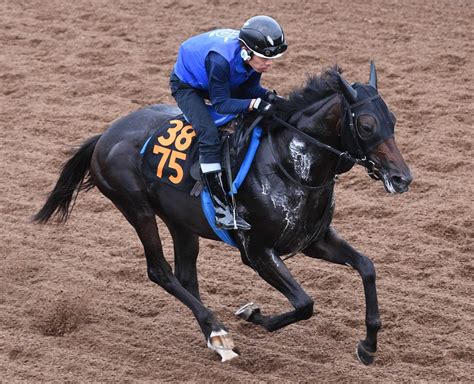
(218, 72)
(252, 88)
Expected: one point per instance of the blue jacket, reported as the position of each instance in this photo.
(211, 62)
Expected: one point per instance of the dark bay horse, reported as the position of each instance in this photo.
(287, 197)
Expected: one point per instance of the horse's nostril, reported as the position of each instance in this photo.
(401, 182)
(397, 180)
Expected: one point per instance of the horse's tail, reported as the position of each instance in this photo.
(70, 182)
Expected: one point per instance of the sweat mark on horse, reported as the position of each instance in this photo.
(287, 197)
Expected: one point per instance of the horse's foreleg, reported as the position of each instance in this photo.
(335, 250)
(186, 249)
(272, 269)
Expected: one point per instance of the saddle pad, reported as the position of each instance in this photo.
(169, 153)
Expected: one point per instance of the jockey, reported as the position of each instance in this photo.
(224, 66)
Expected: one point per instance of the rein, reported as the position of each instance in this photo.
(369, 165)
(311, 139)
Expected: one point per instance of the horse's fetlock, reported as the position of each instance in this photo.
(373, 324)
(206, 318)
(158, 278)
(305, 311)
(152, 275)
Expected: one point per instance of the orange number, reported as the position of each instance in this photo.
(174, 165)
(166, 152)
(183, 141)
(172, 132)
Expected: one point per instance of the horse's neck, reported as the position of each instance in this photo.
(309, 162)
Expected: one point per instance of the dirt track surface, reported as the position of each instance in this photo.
(76, 304)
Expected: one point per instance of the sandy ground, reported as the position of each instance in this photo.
(76, 305)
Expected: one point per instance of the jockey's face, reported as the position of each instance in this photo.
(260, 64)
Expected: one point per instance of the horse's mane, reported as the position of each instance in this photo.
(317, 87)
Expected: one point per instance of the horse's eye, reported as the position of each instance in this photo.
(366, 127)
(366, 130)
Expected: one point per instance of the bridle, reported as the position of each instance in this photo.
(362, 160)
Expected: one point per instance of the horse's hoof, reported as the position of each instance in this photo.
(222, 343)
(247, 310)
(365, 357)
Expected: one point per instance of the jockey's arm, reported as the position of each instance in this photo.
(218, 72)
(252, 88)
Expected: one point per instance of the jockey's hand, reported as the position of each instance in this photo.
(262, 107)
(272, 97)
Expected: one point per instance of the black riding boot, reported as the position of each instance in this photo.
(224, 215)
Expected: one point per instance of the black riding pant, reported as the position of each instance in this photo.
(191, 102)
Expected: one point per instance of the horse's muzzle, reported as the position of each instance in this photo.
(391, 168)
(393, 180)
(401, 183)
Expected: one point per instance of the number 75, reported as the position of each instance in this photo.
(175, 155)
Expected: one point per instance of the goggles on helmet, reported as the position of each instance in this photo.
(269, 52)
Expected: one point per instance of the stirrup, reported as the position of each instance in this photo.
(226, 216)
(237, 224)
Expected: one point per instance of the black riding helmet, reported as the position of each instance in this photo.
(264, 37)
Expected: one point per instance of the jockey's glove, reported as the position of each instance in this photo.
(262, 107)
(272, 97)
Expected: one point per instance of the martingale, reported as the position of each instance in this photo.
(169, 154)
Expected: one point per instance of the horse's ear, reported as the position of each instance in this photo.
(373, 75)
(349, 93)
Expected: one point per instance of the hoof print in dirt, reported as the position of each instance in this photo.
(61, 318)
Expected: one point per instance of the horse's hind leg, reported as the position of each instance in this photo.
(140, 214)
(335, 250)
(186, 249)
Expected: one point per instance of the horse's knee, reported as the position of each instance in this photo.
(367, 270)
(305, 311)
